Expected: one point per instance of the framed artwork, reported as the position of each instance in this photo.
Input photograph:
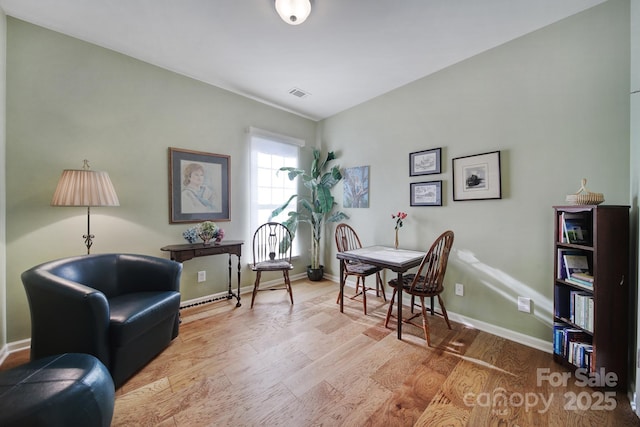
(356, 187)
(426, 193)
(198, 186)
(425, 162)
(477, 177)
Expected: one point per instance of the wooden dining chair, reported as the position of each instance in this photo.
(272, 252)
(347, 239)
(428, 281)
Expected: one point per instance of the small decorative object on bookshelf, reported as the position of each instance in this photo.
(584, 196)
(591, 292)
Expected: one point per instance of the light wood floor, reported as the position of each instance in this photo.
(309, 365)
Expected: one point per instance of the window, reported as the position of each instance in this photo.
(269, 187)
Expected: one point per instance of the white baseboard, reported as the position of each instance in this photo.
(243, 290)
(19, 345)
(12, 347)
(499, 331)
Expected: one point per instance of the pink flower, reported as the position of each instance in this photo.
(399, 217)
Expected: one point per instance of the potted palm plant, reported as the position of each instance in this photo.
(317, 207)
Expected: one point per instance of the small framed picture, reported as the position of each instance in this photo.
(426, 193)
(477, 177)
(198, 186)
(425, 162)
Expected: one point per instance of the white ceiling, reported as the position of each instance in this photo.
(347, 52)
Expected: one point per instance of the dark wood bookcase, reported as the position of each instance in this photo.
(605, 244)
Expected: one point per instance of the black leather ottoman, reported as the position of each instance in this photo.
(69, 389)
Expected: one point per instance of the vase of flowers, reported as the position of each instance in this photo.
(190, 235)
(218, 236)
(399, 217)
(208, 231)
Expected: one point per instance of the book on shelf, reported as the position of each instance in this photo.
(581, 309)
(577, 281)
(585, 277)
(574, 228)
(590, 311)
(572, 344)
(562, 265)
(575, 263)
(579, 354)
(558, 340)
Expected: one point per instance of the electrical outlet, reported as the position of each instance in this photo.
(524, 304)
(202, 276)
(459, 289)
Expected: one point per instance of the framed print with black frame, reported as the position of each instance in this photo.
(425, 162)
(198, 186)
(477, 177)
(426, 193)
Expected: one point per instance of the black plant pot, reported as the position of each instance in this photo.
(315, 274)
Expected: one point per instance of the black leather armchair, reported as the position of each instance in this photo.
(121, 308)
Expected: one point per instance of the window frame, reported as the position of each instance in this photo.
(277, 142)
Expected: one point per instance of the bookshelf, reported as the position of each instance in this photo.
(591, 289)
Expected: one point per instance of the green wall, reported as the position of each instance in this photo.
(555, 103)
(69, 100)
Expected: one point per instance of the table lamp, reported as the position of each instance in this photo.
(85, 187)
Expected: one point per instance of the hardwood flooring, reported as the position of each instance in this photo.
(310, 365)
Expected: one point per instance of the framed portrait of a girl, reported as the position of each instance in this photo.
(198, 186)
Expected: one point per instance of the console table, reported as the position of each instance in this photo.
(182, 253)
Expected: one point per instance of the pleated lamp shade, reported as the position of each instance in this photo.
(84, 188)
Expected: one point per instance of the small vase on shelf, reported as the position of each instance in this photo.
(396, 241)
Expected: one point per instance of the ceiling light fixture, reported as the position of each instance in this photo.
(293, 12)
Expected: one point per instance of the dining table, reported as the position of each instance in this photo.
(396, 260)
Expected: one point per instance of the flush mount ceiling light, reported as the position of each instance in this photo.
(293, 12)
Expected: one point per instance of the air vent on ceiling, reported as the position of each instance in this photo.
(298, 92)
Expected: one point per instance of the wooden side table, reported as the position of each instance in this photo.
(182, 253)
